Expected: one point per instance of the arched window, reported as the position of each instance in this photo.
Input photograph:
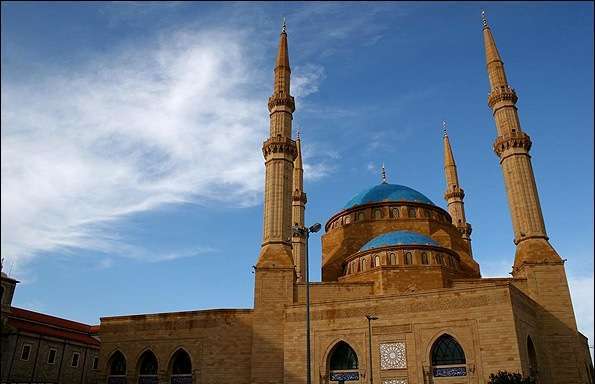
(427, 213)
(377, 213)
(343, 363)
(533, 372)
(393, 259)
(117, 369)
(395, 212)
(377, 261)
(348, 219)
(438, 258)
(424, 258)
(147, 368)
(448, 358)
(408, 258)
(361, 216)
(181, 368)
(411, 212)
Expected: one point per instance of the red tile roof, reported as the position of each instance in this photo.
(41, 324)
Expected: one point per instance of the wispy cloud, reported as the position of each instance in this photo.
(178, 120)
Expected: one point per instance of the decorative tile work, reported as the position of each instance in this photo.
(344, 376)
(450, 372)
(395, 381)
(393, 356)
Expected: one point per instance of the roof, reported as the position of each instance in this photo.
(387, 192)
(46, 325)
(399, 238)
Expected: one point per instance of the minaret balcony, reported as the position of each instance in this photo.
(511, 140)
(281, 101)
(457, 193)
(499, 94)
(279, 145)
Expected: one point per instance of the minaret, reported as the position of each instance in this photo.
(298, 241)
(536, 262)
(279, 152)
(454, 194)
(275, 271)
(512, 146)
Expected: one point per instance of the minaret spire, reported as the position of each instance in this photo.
(298, 241)
(454, 194)
(279, 152)
(383, 174)
(512, 146)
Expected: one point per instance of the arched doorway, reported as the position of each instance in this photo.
(448, 358)
(117, 369)
(180, 368)
(533, 369)
(343, 363)
(147, 368)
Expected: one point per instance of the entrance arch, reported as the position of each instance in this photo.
(343, 363)
(448, 357)
(533, 367)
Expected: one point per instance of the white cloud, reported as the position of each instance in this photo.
(180, 120)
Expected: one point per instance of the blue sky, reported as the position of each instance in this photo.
(132, 171)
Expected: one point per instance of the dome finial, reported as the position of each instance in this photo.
(383, 174)
(298, 133)
(284, 28)
(444, 128)
(484, 19)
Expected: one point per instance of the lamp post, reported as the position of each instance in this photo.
(303, 231)
(370, 318)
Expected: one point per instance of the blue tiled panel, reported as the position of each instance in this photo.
(399, 238)
(387, 192)
(344, 376)
(450, 372)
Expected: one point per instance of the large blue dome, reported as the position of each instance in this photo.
(399, 238)
(387, 192)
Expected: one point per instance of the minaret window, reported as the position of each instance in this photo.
(424, 258)
(408, 258)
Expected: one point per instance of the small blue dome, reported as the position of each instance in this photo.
(387, 192)
(399, 238)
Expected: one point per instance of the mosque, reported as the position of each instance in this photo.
(401, 299)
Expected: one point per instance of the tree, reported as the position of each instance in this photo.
(504, 377)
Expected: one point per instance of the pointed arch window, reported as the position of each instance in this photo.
(181, 368)
(343, 363)
(117, 369)
(533, 371)
(148, 368)
(448, 357)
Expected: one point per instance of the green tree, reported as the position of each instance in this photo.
(504, 377)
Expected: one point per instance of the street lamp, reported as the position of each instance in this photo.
(305, 232)
(370, 318)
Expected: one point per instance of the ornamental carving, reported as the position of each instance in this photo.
(465, 230)
(505, 93)
(285, 101)
(395, 381)
(457, 193)
(512, 140)
(393, 356)
(279, 144)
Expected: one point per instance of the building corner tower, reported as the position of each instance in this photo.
(535, 259)
(274, 270)
(454, 194)
(299, 199)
